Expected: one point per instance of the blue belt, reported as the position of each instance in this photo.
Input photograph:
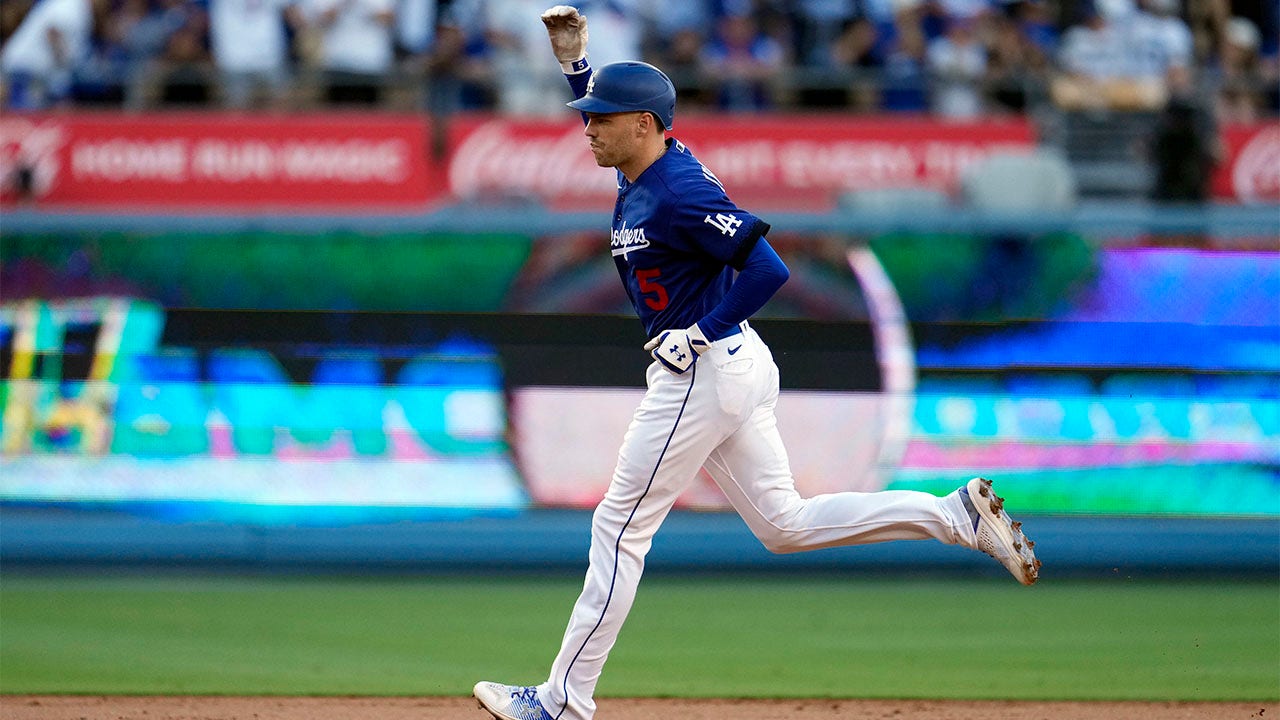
(735, 330)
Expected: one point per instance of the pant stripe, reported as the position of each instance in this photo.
(618, 543)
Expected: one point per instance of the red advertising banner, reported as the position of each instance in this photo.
(765, 161)
(1250, 167)
(383, 163)
(223, 162)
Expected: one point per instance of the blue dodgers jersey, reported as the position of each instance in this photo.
(676, 240)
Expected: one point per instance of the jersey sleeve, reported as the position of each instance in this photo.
(708, 220)
(579, 79)
(761, 276)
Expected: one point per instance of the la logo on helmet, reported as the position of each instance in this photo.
(591, 84)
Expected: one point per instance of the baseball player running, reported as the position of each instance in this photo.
(677, 241)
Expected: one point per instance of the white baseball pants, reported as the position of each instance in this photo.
(718, 416)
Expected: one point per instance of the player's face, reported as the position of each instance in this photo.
(615, 137)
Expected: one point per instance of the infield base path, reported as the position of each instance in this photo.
(95, 707)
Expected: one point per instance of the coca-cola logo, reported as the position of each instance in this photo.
(30, 160)
(1255, 175)
(500, 158)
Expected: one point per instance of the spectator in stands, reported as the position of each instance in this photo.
(415, 26)
(163, 43)
(354, 48)
(1022, 42)
(670, 19)
(186, 75)
(466, 54)
(681, 57)
(957, 64)
(744, 63)
(903, 48)
(617, 29)
(525, 83)
(457, 68)
(817, 25)
(149, 24)
(1035, 22)
(1238, 76)
(101, 77)
(140, 55)
(857, 65)
(250, 44)
(1264, 15)
(1094, 48)
(1097, 64)
(38, 61)
(415, 32)
(676, 37)
(1160, 45)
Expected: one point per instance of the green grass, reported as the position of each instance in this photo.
(750, 637)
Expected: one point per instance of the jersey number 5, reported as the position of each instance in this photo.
(649, 286)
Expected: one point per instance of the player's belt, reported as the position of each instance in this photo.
(736, 330)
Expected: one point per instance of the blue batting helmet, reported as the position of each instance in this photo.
(628, 87)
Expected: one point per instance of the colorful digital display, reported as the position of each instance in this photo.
(1156, 390)
(96, 411)
(1133, 400)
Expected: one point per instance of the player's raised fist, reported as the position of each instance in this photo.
(568, 32)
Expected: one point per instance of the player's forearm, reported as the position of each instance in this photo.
(567, 31)
(757, 281)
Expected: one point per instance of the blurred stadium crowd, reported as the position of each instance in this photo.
(952, 58)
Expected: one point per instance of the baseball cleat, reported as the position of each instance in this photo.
(998, 535)
(509, 702)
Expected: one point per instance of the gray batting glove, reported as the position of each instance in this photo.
(677, 349)
(568, 32)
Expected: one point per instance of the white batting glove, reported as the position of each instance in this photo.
(568, 32)
(677, 349)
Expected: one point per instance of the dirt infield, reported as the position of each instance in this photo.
(62, 707)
